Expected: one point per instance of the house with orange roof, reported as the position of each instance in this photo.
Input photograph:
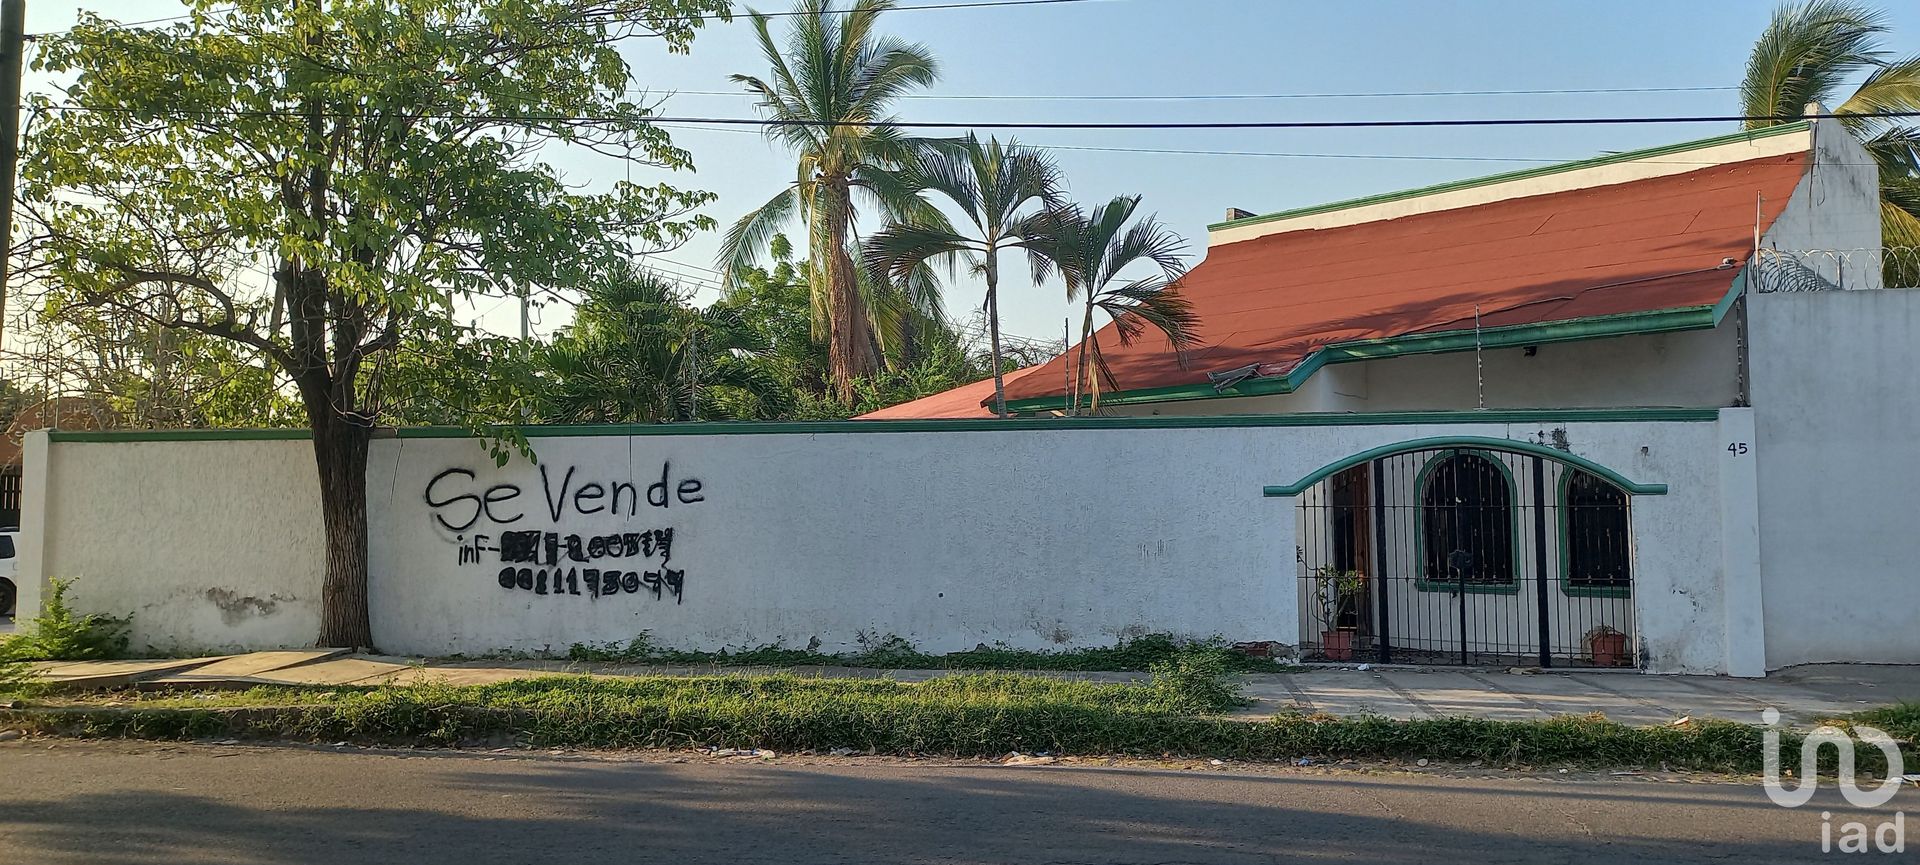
(1611, 282)
(1739, 275)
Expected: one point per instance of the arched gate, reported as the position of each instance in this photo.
(1467, 553)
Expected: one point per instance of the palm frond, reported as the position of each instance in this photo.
(893, 253)
(742, 245)
(1807, 51)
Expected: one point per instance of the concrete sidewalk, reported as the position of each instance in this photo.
(1804, 695)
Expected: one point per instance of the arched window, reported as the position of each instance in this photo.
(1466, 510)
(1596, 558)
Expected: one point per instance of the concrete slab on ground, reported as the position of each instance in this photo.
(338, 671)
(115, 674)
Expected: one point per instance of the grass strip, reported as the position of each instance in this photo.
(894, 653)
(959, 716)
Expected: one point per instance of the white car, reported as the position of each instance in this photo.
(9, 592)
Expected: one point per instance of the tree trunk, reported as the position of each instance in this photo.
(340, 451)
(1080, 378)
(849, 354)
(993, 332)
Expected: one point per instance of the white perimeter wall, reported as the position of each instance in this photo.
(1037, 538)
(1837, 417)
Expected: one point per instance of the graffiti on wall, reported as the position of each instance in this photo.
(593, 565)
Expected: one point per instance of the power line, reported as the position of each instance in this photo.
(1199, 97)
(1053, 124)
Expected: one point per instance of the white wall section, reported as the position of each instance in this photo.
(1039, 538)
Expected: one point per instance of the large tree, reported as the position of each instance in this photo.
(1808, 54)
(1004, 191)
(378, 160)
(831, 94)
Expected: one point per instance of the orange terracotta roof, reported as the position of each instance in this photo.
(1638, 246)
(967, 400)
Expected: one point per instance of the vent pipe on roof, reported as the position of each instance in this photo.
(1234, 213)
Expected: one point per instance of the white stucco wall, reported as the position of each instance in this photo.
(1832, 222)
(211, 545)
(1684, 369)
(1033, 537)
(1836, 410)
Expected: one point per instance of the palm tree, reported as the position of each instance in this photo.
(832, 91)
(1091, 250)
(1807, 53)
(992, 184)
(638, 353)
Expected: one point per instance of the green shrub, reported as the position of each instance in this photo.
(1901, 720)
(1194, 682)
(60, 634)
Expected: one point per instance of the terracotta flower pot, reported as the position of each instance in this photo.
(1337, 645)
(1609, 650)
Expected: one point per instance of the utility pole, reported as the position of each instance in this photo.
(13, 50)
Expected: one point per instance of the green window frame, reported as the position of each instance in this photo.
(1422, 581)
(1568, 585)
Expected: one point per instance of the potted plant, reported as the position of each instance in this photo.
(1608, 647)
(1336, 595)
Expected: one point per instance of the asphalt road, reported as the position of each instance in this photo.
(67, 801)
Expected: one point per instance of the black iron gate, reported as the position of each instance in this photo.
(1466, 556)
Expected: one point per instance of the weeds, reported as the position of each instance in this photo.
(1194, 682)
(60, 634)
(1901, 720)
(890, 652)
(961, 715)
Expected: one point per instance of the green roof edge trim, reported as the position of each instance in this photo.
(855, 427)
(1522, 174)
(1436, 442)
(1437, 342)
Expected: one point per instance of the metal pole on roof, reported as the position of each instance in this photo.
(1066, 350)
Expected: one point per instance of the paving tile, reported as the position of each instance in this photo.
(113, 674)
(337, 671)
(256, 663)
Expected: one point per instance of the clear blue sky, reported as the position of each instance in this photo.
(1175, 47)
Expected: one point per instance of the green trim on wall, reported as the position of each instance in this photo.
(1439, 342)
(177, 435)
(1421, 582)
(1474, 442)
(1522, 174)
(1567, 587)
(1502, 416)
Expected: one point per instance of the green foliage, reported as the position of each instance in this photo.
(970, 715)
(61, 634)
(1091, 249)
(1195, 682)
(993, 185)
(639, 352)
(1901, 721)
(892, 652)
(834, 77)
(1807, 54)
